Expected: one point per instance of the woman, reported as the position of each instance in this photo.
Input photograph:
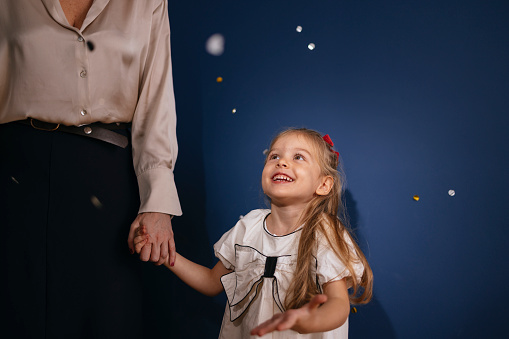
(83, 82)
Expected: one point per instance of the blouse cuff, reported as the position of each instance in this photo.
(158, 192)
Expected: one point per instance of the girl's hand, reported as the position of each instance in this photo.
(291, 318)
(140, 239)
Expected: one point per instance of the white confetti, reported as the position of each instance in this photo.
(452, 193)
(311, 46)
(299, 29)
(240, 217)
(215, 44)
(265, 151)
(14, 179)
(234, 110)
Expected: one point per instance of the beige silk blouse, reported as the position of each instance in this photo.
(47, 72)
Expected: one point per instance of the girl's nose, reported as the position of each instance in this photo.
(281, 164)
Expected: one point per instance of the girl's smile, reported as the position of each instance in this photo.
(281, 178)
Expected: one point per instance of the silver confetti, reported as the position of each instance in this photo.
(215, 44)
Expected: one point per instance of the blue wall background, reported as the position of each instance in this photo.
(415, 95)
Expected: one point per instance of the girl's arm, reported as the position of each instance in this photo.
(323, 313)
(201, 278)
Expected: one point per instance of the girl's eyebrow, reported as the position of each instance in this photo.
(297, 150)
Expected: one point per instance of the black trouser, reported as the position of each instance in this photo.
(67, 202)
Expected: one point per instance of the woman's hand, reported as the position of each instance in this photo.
(291, 318)
(160, 246)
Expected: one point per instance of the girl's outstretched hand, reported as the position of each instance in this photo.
(291, 318)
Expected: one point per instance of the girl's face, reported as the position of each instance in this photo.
(292, 175)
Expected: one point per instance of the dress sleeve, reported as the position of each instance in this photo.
(224, 249)
(154, 139)
(246, 229)
(331, 268)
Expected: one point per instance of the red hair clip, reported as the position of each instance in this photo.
(328, 140)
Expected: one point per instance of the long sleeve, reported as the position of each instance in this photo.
(154, 136)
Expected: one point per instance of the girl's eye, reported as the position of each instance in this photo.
(298, 157)
(273, 156)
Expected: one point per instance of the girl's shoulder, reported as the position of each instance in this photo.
(327, 241)
(247, 224)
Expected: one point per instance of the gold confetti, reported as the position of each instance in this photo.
(219, 79)
(234, 110)
(416, 197)
(96, 202)
(353, 310)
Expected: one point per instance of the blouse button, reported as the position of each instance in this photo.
(83, 74)
(83, 112)
(80, 38)
(87, 130)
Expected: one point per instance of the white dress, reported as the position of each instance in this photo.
(263, 266)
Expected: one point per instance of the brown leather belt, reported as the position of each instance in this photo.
(97, 130)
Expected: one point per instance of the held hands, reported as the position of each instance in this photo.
(159, 245)
(291, 319)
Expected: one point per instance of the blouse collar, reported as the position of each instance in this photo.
(57, 13)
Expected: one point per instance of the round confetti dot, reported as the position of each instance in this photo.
(234, 110)
(452, 193)
(215, 44)
(311, 46)
(416, 197)
(265, 151)
(219, 79)
(299, 29)
(354, 310)
(240, 217)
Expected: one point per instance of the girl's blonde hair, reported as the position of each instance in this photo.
(326, 215)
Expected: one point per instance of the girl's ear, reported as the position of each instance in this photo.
(325, 185)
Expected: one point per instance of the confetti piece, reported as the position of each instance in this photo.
(215, 44)
(353, 310)
(234, 110)
(452, 193)
(265, 151)
(90, 45)
(416, 197)
(219, 79)
(240, 217)
(96, 202)
(299, 29)
(311, 46)
(14, 179)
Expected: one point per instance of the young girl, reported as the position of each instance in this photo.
(286, 271)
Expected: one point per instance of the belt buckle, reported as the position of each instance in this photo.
(43, 129)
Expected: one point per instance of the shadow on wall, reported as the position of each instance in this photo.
(370, 321)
